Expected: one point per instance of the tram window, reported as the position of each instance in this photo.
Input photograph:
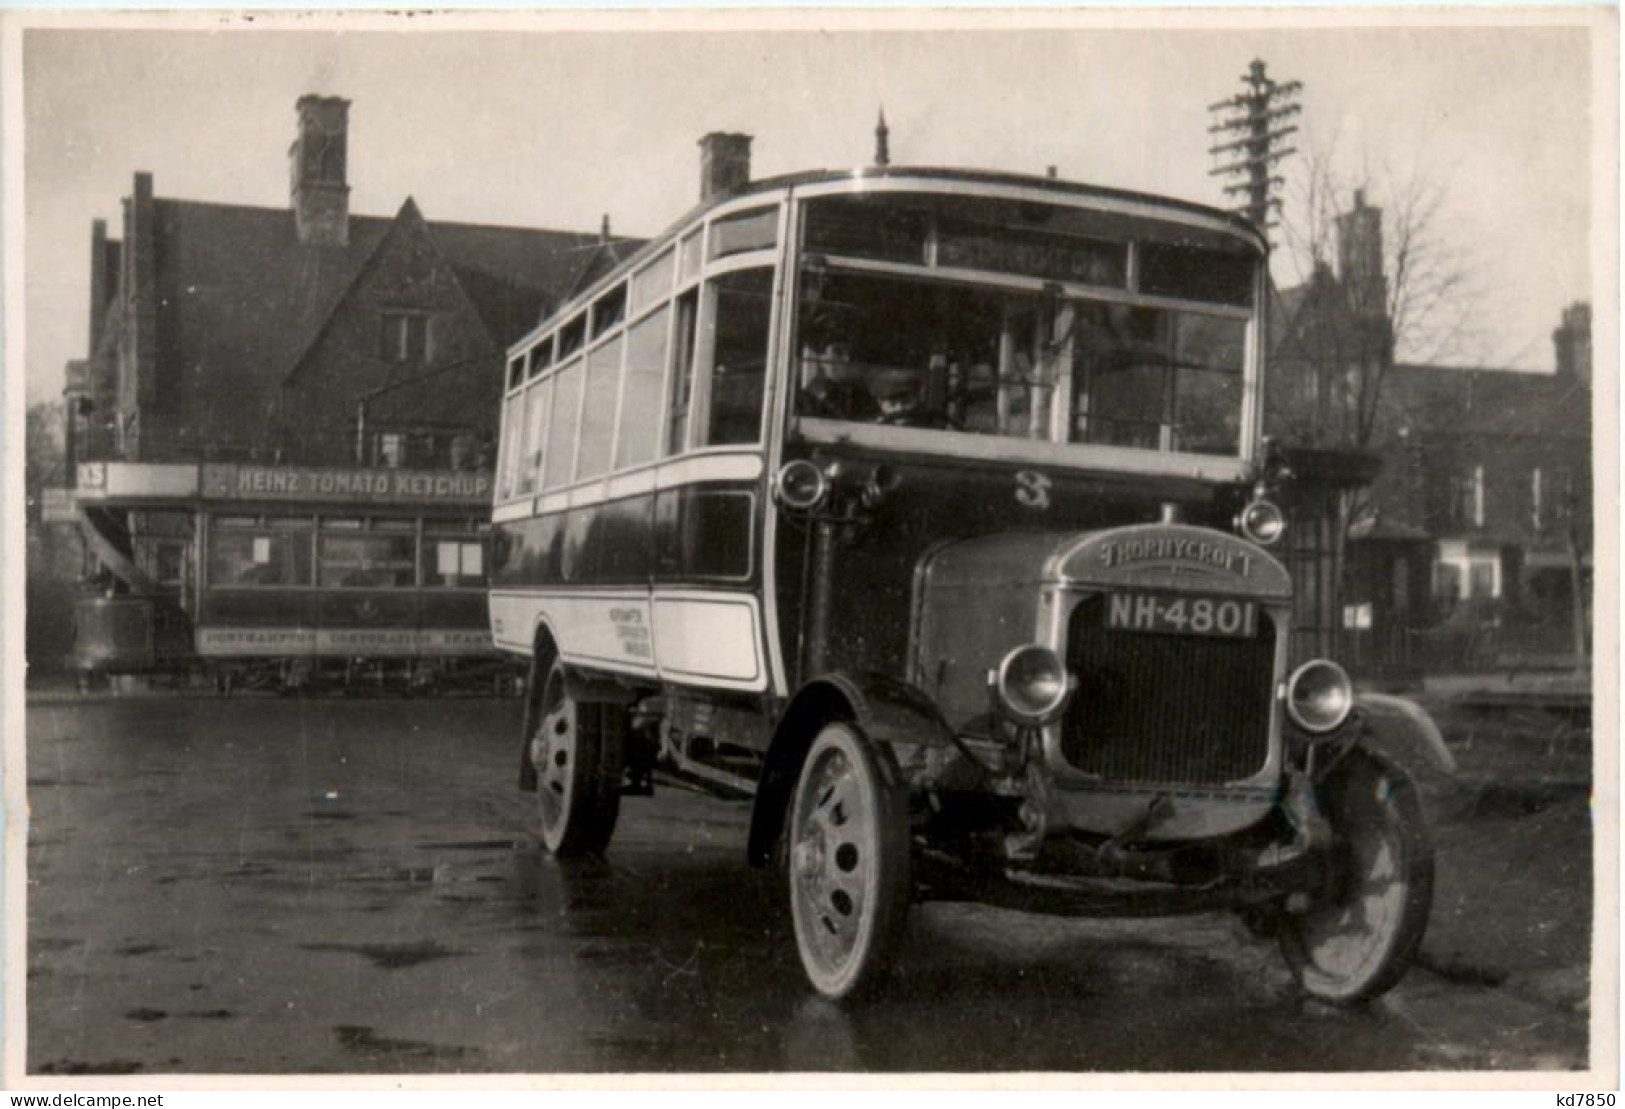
(453, 562)
(169, 563)
(652, 283)
(560, 447)
(516, 372)
(757, 229)
(598, 411)
(367, 560)
(389, 450)
(682, 378)
(637, 437)
(744, 306)
(252, 555)
(608, 310)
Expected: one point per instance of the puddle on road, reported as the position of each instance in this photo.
(391, 956)
(363, 1040)
(134, 949)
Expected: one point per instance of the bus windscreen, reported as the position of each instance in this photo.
(981, 360)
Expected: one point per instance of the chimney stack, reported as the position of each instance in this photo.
(724, 163)
(101, 281)
(1573, 342)
(1359, 256)
(319, 189)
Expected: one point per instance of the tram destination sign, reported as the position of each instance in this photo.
(231, 481)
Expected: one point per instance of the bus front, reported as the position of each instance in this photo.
(1021, 425)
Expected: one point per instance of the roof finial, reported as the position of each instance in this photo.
(882, 140)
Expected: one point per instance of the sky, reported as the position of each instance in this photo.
(536, 125)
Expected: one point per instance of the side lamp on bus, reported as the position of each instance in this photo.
(800, 485)
(1031, 687)
(1262, 522)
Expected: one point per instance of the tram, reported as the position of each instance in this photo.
(929, 508)
(287, 577)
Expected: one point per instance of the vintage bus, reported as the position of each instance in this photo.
(287, 577)
(929, 509)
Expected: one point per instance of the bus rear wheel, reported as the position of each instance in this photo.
(848, 863)
(576, 749)
(1360, 936)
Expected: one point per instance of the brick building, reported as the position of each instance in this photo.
(309, 334)
(1469, 533)
(1495, 467)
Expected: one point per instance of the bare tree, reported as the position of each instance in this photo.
(43, 454)
(1372, 276)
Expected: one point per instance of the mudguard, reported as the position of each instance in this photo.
(887, 710)
(1403, 730)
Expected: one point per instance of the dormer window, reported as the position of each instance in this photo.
(404, 337)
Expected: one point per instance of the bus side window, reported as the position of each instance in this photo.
(744, 309)
(682, 378)
(560, 447)
(641, 390)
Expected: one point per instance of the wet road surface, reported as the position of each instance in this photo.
(287, 886)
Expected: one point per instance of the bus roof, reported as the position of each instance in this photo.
(1072, 189)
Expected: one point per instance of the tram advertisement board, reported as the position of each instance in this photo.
(216, 642)
(233, 481)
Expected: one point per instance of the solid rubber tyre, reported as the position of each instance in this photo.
(576, 748)
(847, 862)
(1360, 937)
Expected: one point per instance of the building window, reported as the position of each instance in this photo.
(1535, 520)
(403, 337)
(1467, 498)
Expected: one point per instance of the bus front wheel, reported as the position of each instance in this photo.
(576, 750)
(1358, 938)
(848, 862)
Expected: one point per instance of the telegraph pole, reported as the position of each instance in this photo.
(1250, 132)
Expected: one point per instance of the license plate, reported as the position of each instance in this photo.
(1182, 615)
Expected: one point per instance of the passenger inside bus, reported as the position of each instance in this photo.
(835, 389)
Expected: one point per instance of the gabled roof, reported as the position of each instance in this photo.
(240, 298)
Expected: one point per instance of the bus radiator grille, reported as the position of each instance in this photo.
(1167, 709)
